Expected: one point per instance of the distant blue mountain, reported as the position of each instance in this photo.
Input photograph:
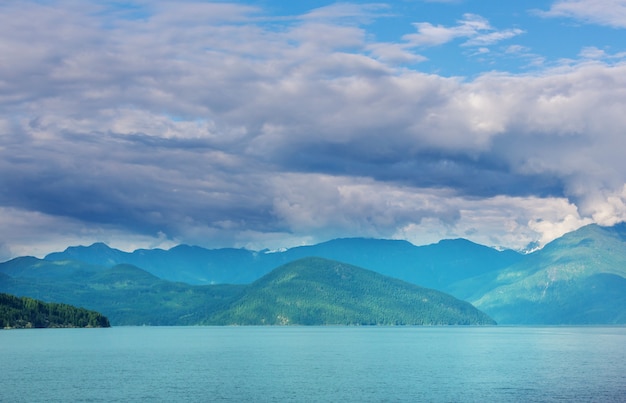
(434, 266)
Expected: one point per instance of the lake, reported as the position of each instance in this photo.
(314, 364)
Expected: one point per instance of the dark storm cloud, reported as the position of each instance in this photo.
(485, 175)
(131, 181)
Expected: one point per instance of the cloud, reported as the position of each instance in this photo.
(395, 53)
(475, 28)
(224, 127)
(36, 234)
(611, 13)
(198, 13)
(493, 37)
(594, 53)
(347, 12)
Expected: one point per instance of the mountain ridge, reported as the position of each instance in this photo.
(571, 271)
(575, 279)
(432, 266)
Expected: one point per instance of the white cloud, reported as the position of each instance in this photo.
(603, 12)
(549, 230)
(594, 53)
(351, 11)
(327, 37)
(37, 234)
(344, 206)
(475, 28)
(605, 206)
(197, 12)
(493, 37)
(394, 53)
(501, 221)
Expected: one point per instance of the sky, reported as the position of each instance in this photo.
(263, 124)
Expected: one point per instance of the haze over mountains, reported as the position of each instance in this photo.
(577, 279)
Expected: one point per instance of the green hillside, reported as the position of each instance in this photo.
(309, 291)
(127, 294)
(26, 312)
(579, 278)
(315, 291)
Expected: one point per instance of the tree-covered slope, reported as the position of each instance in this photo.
(315, 291)
(24, 312)
(309, 291)
(126, 294)
(579, 278)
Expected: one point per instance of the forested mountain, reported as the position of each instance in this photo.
(30, 313)
(434, 266)
(579, 278)
(315, 291)
(126, 294)
(308, 291)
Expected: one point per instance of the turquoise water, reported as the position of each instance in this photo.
(313, 364)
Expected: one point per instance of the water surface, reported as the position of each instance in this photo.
(354, 364)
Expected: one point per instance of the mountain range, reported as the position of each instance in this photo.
(433, 266)
(579, 278)
(308, 291)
